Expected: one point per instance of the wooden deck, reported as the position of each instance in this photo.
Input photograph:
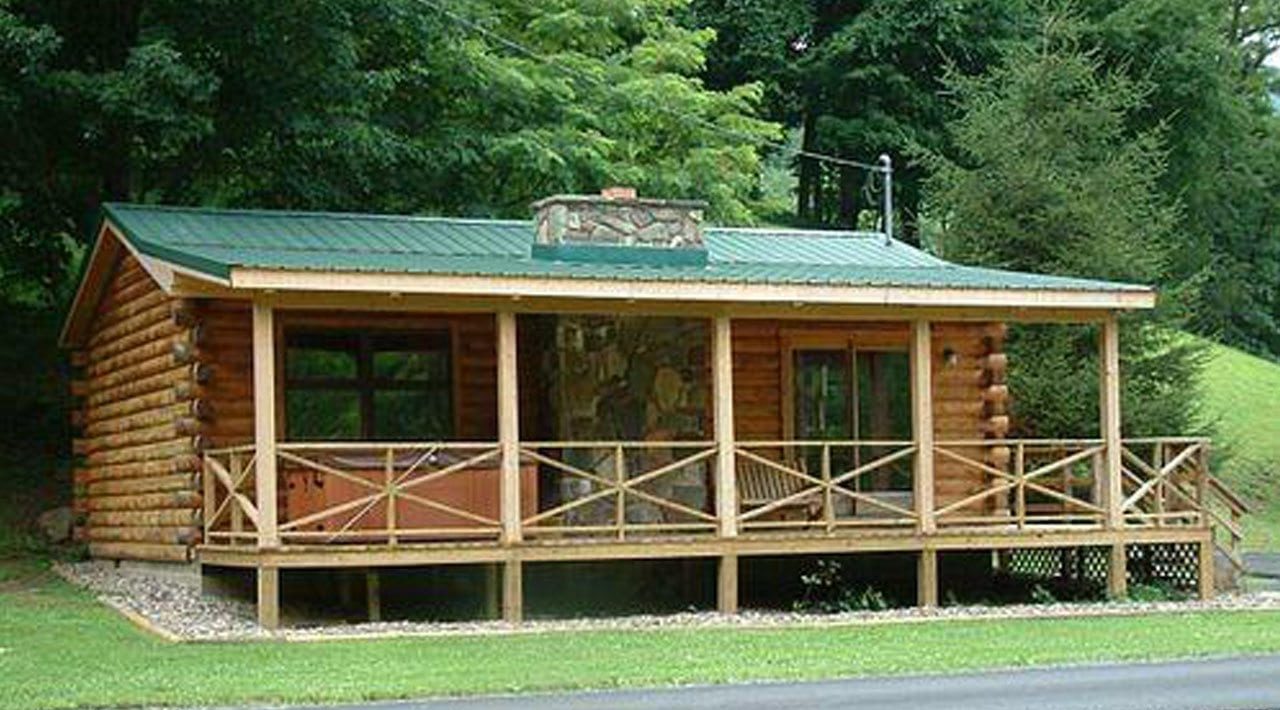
(1035, 494)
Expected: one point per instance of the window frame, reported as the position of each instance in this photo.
(364, 383)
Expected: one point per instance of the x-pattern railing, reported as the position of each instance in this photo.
(1167, 487)
(1031, 463)
(227, 474)
(385, 476)
(795, 485)
(618, 475)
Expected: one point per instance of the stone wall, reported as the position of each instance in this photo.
(630, 379)
(619, 221)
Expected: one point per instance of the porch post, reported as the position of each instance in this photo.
(264, 441)
(264, 422)
(722, 388)
(508, 428)
(922, 421)
(1109, 401)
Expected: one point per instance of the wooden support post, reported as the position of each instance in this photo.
(269, 597)
(373, 594)
(1205, 579)
(727, 588)
(264, 422)
(509, 428)
(1118, 572)
(927, 579)
(1109, 409)
(513, 591)
(922, 422)
(722, 391)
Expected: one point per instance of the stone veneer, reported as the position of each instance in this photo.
(617, 217)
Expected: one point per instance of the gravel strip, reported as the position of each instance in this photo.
(182, 611)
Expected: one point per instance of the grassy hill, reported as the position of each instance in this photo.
(1242, 399)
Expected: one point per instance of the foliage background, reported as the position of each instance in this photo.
(1128, 139)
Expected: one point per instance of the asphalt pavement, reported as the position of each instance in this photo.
(1215, 684)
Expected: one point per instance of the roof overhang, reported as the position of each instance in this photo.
(687, 291)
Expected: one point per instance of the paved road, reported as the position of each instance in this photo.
(1226, 684)
(1263, 564)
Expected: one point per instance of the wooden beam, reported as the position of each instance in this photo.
(1109, 413)
(546, 286)
(509, 427)
(373, 594)
(513, 591)
(1118, 572)
(922, 421)
(727, 587)
(269, 597)
(927, 579)
(264, 422)
(722, 395)
(1206, 572)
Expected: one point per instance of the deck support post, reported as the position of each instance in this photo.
(922, 422)
(509, 428)
(1118, 572)
(373, 594)
(513, 591)
(722, 395)
(1109, 406)
(264, 422)
(269, 597)
(927, 579)
(1205, 580)
(727, 588)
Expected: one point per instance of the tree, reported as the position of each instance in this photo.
(857, 79)
(1048, 178)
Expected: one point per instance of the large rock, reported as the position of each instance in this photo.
(56, 524)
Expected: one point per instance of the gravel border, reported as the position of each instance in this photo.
(178, 612)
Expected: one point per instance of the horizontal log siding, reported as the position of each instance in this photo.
(136, 491)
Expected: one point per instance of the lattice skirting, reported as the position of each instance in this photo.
(1176, 564)
(1080, 564)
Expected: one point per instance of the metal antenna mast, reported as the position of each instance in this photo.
(886, 220)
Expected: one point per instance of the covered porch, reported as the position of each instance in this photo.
(796, 435)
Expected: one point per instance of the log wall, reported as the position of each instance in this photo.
(136, 492)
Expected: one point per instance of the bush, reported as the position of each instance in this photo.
(826, 592)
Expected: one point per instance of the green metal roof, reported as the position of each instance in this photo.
(214, 241)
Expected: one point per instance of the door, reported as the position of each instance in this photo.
(847, 394)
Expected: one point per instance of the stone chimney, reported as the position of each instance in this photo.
(617, 218)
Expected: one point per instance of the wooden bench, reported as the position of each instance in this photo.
(760, 485)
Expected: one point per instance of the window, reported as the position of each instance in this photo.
(359, 385)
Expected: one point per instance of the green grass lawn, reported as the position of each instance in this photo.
(1242, 398)
(60, 649)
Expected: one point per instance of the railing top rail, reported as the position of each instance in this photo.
(223, 450)
(609, 444)
(1017, 442)
(383, 445)
(1166, 440)
(760, 443)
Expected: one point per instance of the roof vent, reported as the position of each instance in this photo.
(616, 225)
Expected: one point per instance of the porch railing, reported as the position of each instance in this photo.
(824, 485)
(1020, 482)
(622, 488)
(392, 493)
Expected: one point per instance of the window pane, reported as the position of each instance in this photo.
(412, 415)
(822, 391)
(321, 356)
(421, 366)
(322, 414)
(884, 412)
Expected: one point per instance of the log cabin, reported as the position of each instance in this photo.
(612, 380)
